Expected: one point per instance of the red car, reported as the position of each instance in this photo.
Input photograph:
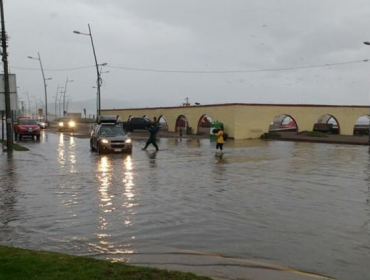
(26, 127)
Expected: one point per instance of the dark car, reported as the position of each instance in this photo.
(110, 137)
(66, 124)
(136, 124)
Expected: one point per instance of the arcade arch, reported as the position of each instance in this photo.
(362, 126)
(182, 124)
(163, 123)
(282, 123)
(204, 124)
(327, 124)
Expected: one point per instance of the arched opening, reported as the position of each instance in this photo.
(327, 124)
(362, 126)
(163, 123)
(204, 125)
(182, 124)
(283, 123)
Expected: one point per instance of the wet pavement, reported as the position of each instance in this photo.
(265, 210)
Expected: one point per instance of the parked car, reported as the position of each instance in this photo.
(67, 124)
(137, 124)
(41, 124)
(110, 137)
(26, 127)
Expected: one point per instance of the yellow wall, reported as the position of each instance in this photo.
(245, 121)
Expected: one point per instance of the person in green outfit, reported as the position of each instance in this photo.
(152, 137)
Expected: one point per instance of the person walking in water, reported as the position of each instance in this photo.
(152, 137)
(220, 140)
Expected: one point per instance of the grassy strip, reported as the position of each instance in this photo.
(270, 135)
(315, 134)
(16, 147)
(22, 264)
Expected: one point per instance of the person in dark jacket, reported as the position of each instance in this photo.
(152, 137)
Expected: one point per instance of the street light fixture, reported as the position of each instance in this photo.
(368, 43)
(98, 79)
(43, 78)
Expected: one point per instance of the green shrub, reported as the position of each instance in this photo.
(316, 134)
(270, 135)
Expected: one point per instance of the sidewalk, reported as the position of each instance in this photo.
(332, 139)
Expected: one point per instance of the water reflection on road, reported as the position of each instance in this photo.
(299, 205)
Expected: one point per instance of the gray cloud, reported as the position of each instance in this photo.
(207, 35)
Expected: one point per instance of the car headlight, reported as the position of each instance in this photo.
(128, 141)
(61, 124)
(72, 124)
(104, 141)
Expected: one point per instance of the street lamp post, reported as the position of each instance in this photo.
(56, 99)
(43, 78)
(368, 43)
(35, 105)
(64, 96)
(29, 103)
(4, 54)
(98, 79)
(68, 99)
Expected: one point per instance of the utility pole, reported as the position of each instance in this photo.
(9, 136)
(56, 99)
(98, 78)
(64, 96)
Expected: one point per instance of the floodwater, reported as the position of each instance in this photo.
(303, 206)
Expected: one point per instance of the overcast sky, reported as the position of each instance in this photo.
(160, 52)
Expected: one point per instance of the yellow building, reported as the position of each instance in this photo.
(248, 121)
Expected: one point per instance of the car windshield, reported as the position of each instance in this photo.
(27, 122)
(66, 120)
(112, 130)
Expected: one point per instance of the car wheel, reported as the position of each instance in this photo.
(38, 137)
(20, 137)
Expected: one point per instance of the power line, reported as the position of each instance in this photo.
(199, 71)
(238, 71)
(54, 70)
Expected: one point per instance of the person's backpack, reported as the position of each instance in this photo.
(225, 136)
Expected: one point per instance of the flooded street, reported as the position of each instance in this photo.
(302, 206)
